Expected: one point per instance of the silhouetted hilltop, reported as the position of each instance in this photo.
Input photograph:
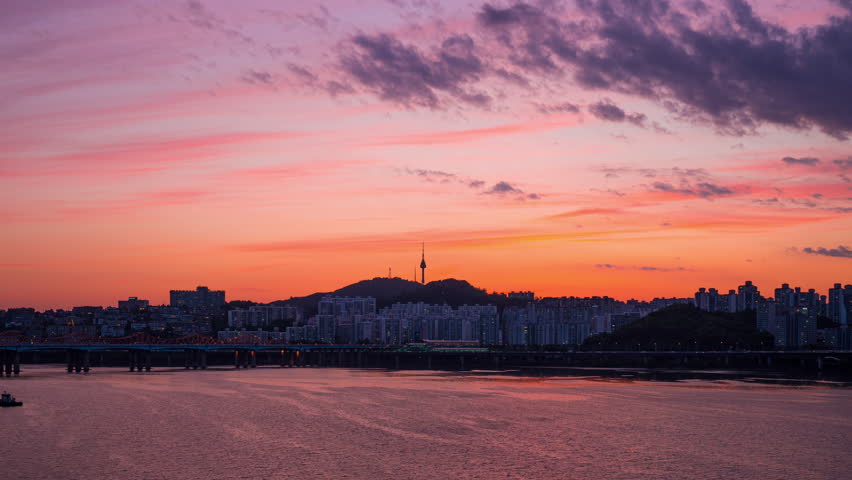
(450, 291)
(387, 291)
(684, 327)
(383, 289)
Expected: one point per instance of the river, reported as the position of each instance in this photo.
(338, 423)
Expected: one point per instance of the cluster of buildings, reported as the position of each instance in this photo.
(351, 320)
(189, 312)
(796, 318)
(570, 320)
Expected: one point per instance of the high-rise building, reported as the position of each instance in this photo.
(785, 296)
(728, 302)
(200, 298)
(747, 297)
(838, 304)
(132, 304)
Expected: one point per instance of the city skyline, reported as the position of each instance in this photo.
(560, 147)
(163, 297)
(219, 297)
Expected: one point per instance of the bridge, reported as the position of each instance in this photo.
(81, 358)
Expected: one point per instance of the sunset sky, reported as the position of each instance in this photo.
(277, 148)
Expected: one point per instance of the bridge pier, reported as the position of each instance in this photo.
(148, 361)
(428, 361)
(253, 359)
(396, 362)
(16, 363)
(86, 362)
(461, 362)
(186, 359)
(68, 361)
(131, 359)
(203, 355)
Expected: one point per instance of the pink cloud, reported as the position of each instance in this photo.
(459, 136)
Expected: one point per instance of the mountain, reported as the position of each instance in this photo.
(683, 326)
(387, 291)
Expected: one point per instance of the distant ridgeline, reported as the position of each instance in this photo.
(388, 291)
(685, 327)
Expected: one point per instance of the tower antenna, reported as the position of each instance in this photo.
(422, 264)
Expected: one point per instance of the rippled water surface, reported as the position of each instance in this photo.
(335, 423)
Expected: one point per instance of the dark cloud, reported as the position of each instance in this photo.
(847, 4)
(682, 173)
(723, 65)
(696, 173)
(503, 188)
(644, 268)
(803, 202)
(403, 74)
(841, 251)
(733, 69)
(304, 75)
(843, 163)
(432, 175)
(702, 189)
(259, 78)
(558, 108)
(512, 77)
(335, 88)
(200, 16)
(810, 161)
(320, 20)
(660, 269)
(608, 111)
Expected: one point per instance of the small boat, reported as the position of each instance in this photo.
(7, 400)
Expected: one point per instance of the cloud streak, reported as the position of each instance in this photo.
(841, 251)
